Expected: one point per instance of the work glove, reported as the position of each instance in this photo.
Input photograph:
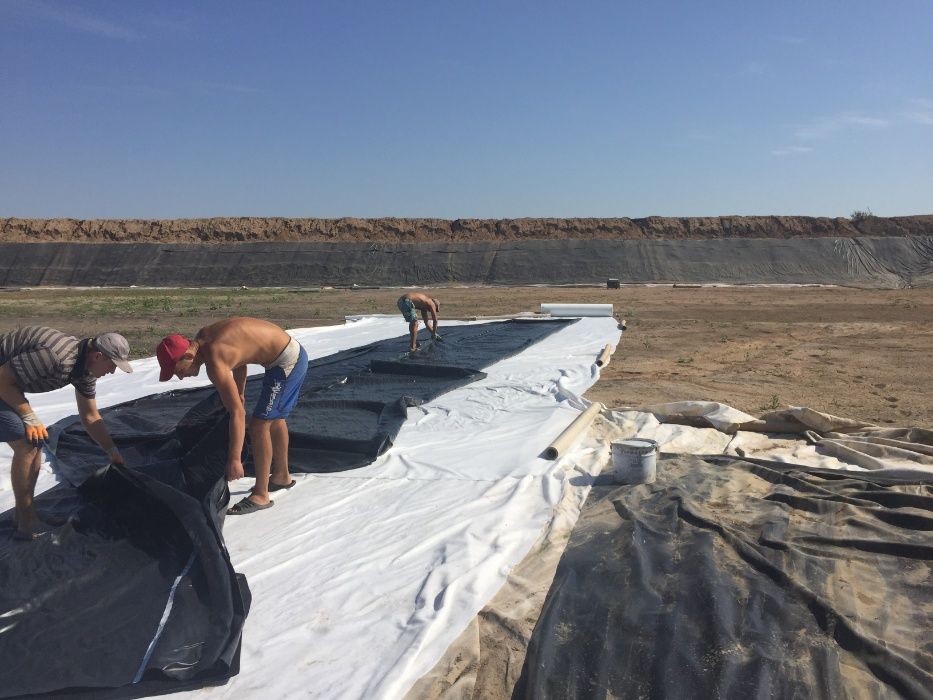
(35, 430)
(437, 337)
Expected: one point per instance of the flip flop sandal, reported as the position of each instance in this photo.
(246, 506)
(281, 487)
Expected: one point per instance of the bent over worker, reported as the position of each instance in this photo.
(225, 348)
(412, 302)
(37, 359)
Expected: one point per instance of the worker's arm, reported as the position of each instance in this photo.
(239, 376)
(95, 426)
(230, 395)
(13, 397)
(433, 326)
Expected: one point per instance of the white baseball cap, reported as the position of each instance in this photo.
(117, 348)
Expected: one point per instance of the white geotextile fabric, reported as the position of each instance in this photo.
(361, 579)
(795, 435)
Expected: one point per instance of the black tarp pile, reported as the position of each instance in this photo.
(86, 607)
(136, 595)
(736, 579)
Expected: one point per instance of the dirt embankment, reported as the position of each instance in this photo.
(391, 230)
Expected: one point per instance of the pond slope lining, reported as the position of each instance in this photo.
(869, 262)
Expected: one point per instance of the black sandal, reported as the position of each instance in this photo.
(246, 506)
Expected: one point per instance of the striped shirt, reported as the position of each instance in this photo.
(43, 359)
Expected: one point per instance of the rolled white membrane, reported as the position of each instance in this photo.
(572, 432)
(577, 309)
(604, 356)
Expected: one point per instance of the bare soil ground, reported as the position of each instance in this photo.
(864, 354)
(405, 230)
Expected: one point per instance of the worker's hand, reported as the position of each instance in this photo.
(115, 456)
(35, 430)
(438, 337)
(233, 470)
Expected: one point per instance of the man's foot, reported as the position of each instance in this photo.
(27, 533)
(47, 519)
(26, 524)
(246, 506)
(53, 520)
(280, 487)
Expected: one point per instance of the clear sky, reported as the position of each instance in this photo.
(474, 108)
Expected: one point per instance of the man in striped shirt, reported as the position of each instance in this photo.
(37, 359)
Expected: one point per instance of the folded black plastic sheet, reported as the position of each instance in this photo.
(733, 579)
(135, 595)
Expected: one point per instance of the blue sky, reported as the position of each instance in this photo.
(499, 109)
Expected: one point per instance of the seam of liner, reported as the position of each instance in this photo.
(165, 616)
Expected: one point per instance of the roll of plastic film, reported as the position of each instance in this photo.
(577, 309)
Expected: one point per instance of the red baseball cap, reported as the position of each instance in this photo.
(170, 351)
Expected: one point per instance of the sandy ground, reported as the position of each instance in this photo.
(410, 230)
(864, 354)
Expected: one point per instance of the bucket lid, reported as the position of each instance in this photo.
(642, 446)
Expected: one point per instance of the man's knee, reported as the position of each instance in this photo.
(23, 449)
(258, 426)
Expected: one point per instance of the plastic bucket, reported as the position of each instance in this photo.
(634, 461)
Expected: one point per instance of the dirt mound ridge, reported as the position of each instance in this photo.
(397, 230)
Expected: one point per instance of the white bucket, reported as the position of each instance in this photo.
(634, 461)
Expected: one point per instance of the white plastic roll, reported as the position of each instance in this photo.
(566, 439)
(577, 309)
(604, 356)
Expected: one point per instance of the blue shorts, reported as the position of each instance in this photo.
(12, 427)
(280, 393)
(407, 307)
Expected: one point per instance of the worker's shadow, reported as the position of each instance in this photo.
(603, 480)
(583, 480)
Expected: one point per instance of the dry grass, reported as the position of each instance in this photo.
(860, 353)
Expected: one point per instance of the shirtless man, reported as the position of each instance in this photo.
(225, 348)
(408, 303)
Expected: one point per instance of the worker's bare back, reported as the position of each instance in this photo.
(421, 301)
(239, 341)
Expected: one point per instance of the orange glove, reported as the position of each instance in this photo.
(35, 430)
